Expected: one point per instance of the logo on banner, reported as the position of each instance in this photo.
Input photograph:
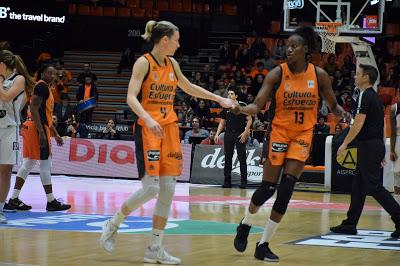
(295, 4)
(349, 160)
(379, 240)
(214, 158)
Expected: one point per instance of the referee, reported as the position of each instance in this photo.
(237, 131)
(368, 130)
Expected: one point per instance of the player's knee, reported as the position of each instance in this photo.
(284, 194)
(150, 186)
(167, 190)
(45, 177)
(263, 193)
(26, 168)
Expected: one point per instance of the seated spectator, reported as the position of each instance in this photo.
(338, 82)
(76, 129)
(280, 50)
(258, 48)
(258, 125)
(211, 83)
(259, 70)
(85, 92)
(127, 60)
(210, 140)
(348, 104)
(201, 110)
(196, 131)
(338, 128)
(110, 132)
(242, 93)
(5, 45)
(257, 84)
(63, 112)
(347, 67)
(331, 66)
(392, 80)
(268, 61)
(57, 126)
(239, 78)
(61, 83)
(86, 73)
(252, 143)
(226, 53)
(221, 88)
(250, 98)
(206, 74)
(321, 127)
(244, 57)
(185, 115)
(43, 57)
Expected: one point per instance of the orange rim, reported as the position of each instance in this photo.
(330, 27)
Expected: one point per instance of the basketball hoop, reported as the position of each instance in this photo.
(326, 30)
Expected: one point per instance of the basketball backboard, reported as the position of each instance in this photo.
(359, 17)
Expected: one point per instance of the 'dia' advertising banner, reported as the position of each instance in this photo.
(102, 158)
(209, 160)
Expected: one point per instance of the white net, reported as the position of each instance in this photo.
(328, 45)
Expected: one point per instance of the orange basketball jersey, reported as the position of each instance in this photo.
(297, 99)
(47, 106)
(158, 91)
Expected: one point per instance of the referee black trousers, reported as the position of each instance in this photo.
(230, 141)
(367, 180)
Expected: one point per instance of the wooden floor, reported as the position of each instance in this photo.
(309, 215)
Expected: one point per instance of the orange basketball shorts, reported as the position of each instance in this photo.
(31, 143)
(155, 156)
(288, 144)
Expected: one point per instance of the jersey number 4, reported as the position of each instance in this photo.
(299, 117)
(163, 110)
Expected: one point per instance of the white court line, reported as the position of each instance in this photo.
(16, 264)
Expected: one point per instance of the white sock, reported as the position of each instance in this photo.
(248, 217)
(269, 231)
(2, 206)
(118, 218)
(156, 237)
(15, 193)
(50, 197)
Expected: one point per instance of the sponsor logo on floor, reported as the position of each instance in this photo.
(368, 239)
(93, 223)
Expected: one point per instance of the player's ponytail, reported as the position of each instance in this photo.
(155, 31)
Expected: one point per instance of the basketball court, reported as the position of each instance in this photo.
(204, 217)
(201, 230)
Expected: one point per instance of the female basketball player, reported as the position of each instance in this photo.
(151, 93)
(36, 133)
(295, 87)
(15, 87)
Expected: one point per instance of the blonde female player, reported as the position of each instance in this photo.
(16, 86)
(151, 93)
